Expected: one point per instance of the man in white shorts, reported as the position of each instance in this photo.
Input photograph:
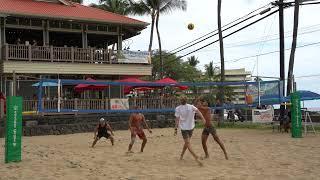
(185, 119)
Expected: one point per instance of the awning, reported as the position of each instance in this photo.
(171, 82)
(90, 87)
(127, 89)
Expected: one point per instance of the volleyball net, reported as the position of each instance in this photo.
(88, 96)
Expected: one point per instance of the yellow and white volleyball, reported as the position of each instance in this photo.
(190, 26)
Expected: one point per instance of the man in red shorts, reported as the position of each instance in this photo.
(136, 129)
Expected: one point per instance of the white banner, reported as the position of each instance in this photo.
(119, 104)
(262, 115)
(134, 57)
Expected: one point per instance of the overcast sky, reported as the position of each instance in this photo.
(203, 14)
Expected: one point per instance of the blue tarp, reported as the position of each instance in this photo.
(46, 84)
(305, 96)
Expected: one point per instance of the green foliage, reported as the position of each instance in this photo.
(174, 68)
(193, 61)
(210, 70)
(122, 7)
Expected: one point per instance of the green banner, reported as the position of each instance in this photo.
(13, 129)
(296, 129)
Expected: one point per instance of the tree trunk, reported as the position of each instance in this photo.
(151, 33)
(159, 41)
(293, 46)
(222, 62)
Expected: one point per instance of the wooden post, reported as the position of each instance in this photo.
(72, 54)
(51, 53)
(109, 56)
(6, 51)
(91, 54)
(76, 105)
(29, 53)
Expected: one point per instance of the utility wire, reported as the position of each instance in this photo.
(271, 52)
(257, 42)
(263, 37)
(203, 36)
(230, 33)
(179, 57)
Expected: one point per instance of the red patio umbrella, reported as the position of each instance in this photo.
(91, 87)
(170, 81)
(127, 89)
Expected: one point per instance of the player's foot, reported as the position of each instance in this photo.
(199, 162)
(226, 156)
(129, 152)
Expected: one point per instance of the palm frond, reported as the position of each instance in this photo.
(171, 5)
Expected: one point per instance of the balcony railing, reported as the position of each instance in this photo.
(64, 54)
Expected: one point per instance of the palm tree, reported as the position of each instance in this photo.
(193, 61)
(210, 70)
(146, 7)
(222, 74)
(165, 7)
(116, 6)
(293, 46)
(154, 8)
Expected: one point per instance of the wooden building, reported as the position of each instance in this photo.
(58, 38)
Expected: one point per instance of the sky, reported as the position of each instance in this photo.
(257, 39)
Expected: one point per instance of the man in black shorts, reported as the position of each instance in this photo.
(102, 129)
(209, 128)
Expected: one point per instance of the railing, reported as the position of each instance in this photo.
(100, 104)
(61, 54)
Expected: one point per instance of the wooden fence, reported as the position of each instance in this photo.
(58, 54)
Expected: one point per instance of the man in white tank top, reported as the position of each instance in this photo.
(185, 120)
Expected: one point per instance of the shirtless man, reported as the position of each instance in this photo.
(136, 129)
(208, 128)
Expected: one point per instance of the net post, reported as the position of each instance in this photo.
(40, 96)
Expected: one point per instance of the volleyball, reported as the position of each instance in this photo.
(190, 26)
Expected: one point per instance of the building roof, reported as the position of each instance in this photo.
(237, 72)
(60, 10)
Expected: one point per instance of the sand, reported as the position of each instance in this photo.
(254, 154)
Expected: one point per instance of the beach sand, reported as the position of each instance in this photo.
(254, 154)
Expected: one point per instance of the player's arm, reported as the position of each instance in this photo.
(145, 122)
(177, 115)
(110, 129)
(201, 116)
(176, 125)
(130, 122)
(95, 131)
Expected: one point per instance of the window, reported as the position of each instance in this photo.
(54, 24)
(12, 20)
(36, 22)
